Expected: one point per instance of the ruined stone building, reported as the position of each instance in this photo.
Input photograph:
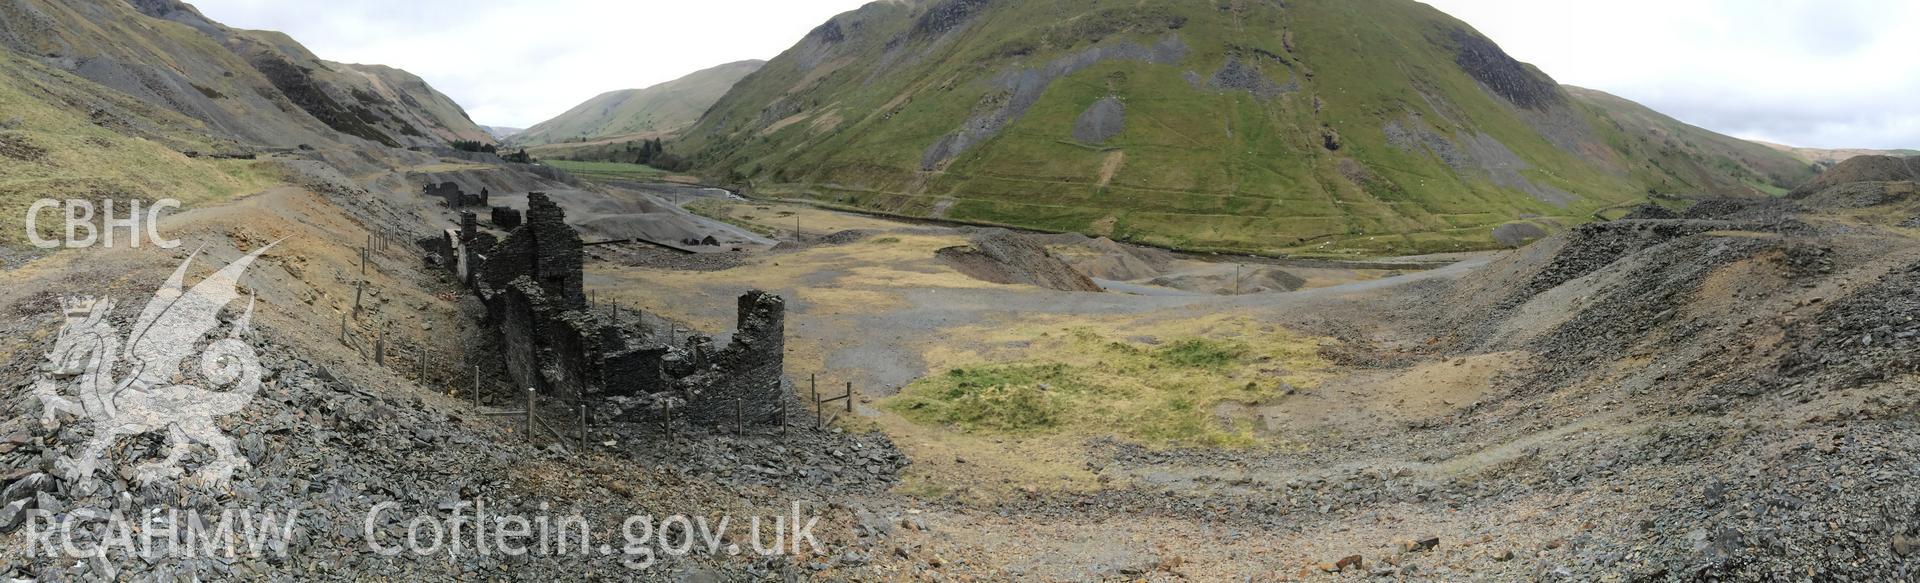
(553, 341)
(453, 197)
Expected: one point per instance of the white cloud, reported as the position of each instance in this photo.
(1826, 73)
(517, 63)
(1819, 73)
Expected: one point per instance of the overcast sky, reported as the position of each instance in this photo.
(1818, 73)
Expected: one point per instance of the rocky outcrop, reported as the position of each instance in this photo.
(1509, 78)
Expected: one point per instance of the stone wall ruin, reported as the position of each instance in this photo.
(453, 197)
(554, 341)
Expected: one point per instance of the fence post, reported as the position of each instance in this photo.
(530, 397)
(736, 415)
(380, 347)
(583, 427)
(813, 386)
(476, 386)
(849, 396)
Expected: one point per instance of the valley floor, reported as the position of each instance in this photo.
(1719, 396)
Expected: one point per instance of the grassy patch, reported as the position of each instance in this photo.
(608, 170)
(1082, 381)
(1200, 353)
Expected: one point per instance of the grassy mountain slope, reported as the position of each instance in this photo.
(255, 88)
(409, 99)
(1361, 126)
(1673, 156)
(501, 132)
(65, 137)
(150, 100)
(651, 112)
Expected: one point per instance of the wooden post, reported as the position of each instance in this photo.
(476, 386)
(530, 397)
(343, 327)
(616, 311)
(380, 347)
(849, 396)
(736, 415)
(583, 427)
(813, 386)
(358, 288)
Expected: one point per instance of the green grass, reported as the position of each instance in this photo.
(608, 170)
(1011, 398)
(1200, 353)
(1094, 384)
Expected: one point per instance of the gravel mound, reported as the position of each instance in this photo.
(1859, 195)
(1868, 336)
(1515, 235)
(1001, 256)
(1100, 122)
(1650, 211)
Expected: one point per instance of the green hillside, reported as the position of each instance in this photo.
(250, 88)
(1328, 126)
(636, 113)
(1671, 156)
(152, 100)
